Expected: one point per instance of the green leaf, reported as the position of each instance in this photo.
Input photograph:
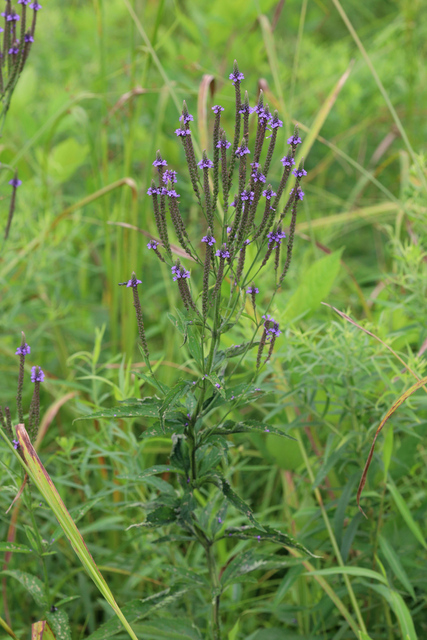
(169, 629)
(65, 158)
(214, 380)
(406, 514)
(233, 498)
(387, 450)
(359, 572)
(400, 610)
(152, 471)
(396, 566)
(179, 456)
(229, 427)
(60, 625)
(364, 636)
(329, 463)
(315, 285)
(156, 431)
(158, 518)
(267, 533)
(140, 410)
(138, 609)
(172, 399)
(249, 561)
(33, 585)
(41, 631)
(194, 345)
(239, 349)
(15, 548)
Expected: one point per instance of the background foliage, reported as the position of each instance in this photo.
(94, 104)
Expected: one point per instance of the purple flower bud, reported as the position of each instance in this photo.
(247, 195)
(241, 151)
(246, 242)
(179, 272)
(300, 193)
(245, 108)
(252, 290)
(24, 1)
(219, 520)
(299, 173)
(223, 252)
(159, 162)
(217, 109)
(151, 191)
(153, 244)
(236, 76)
(11, 17)
(169, 176)
(276, 236)
(223, 144)
(15, 444)
(210, 240)
(13, 51)
(269, 193)
(170, 192)
(229, 229)
(23, 350)
(205, 163)
(218, 386)
(36, 6)
(183, 132)
(186, 118)
(15, 182)
(37, 374)
(275, 123)
(28, 37)
(294, 140)
(287, 161)
(256, 174)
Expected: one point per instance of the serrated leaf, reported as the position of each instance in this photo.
(15, 548)
(156, 431)
(139, 609)
(33, 585)
(180, 456)
(214, 380)
(172, 399)
(186, 506)
(269, 534)
(158, 518)
(142, 410)
(249, 561)
(229, 427)
(239, 349)
(152, 471)
(234, 499)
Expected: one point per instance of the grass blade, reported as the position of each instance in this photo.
(48, 490)
(395, 564)
(406, 514)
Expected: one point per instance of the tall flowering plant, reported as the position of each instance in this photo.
(218, 274)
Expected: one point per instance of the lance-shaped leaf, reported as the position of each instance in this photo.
(249, 561)
(172, 399)
(152, 471)
(137, 410)
(269, 534)
(229, 427)
(233, 498)
(44, 483)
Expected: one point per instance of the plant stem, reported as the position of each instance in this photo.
(216, 592)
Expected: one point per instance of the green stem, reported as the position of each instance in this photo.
(40, 549)
(216, 625)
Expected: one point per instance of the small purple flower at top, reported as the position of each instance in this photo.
(159, 162)
(169, 176)
(299, 173)
(13, 51)
(218, 386)
(241, 151)
(15, 444)
(247, 195)
(229, 229)
(205, 163)
(11, 17)
(276, 236)
(210, 240)
(153, 244)
(132, 282)
(257, 175)
(274, 330)
(267, 318)
(264, 114)
(223, 252)
(186, 118)
(15, 183)
(275, 123)
(36, 6)
(287, 161)
(179, 272)
(300, 193)
(269, 193)
(246, 242)
(217, 109)
(37, 374)
(24, 1)
(245, 108)
(28, 37)
(252, 290)
(23, 350)
(151, 191)
(183, 132)
(294, 140)
(223, 144)
(219, 520)
(236, 76)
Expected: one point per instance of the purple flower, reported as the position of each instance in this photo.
(159, 162)
(15, 183)
(11, 17)
(153, 244)
(241, 151)
(223, 252)
(223, 144)
(257, 175)
(245, 108)
(28, 38)
(294, 140)
(210, 240)
(264, 114)
(205, 163)
(269, 193)
(275, 123)
(15, 444)
(24, 1)
(170, 192)
(219, 520)
(247, 195)
(299, 173)
(36, 6)
(179, 272)
(23, 350)
(276, 236)
(132, 283)
(246, 242)
(186, 118)
(217, 109)
(229, 229)
(153, 191)
(218, 386)
(300, 193)
(287, 161)
(13, 51)
(274, 330)
(236, 76)
(37, 374)
(252, 290)
(169, 176)
(183, 132)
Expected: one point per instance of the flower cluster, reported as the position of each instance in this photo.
(179, 272)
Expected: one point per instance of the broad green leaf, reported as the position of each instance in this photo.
(156, 431)
(142, 410)
(239, 349)
(158, 518)
(406, 514)
(234, 632)
(359, 572)
(41, 631)
(15, 548)
(65, 158)
(180, 456)
(315, 285)
(400, 610)
(48, 490)
(396, 566)
(249, 561)
(193, 344)
(33, 585)
(59, 623)
(138, 609)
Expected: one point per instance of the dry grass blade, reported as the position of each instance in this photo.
(389, 413)
(363, 215)
(207, 85)
(41, 631)
(346, 317)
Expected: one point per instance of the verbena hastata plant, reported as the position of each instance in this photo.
(241, 235)
(16, 39)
